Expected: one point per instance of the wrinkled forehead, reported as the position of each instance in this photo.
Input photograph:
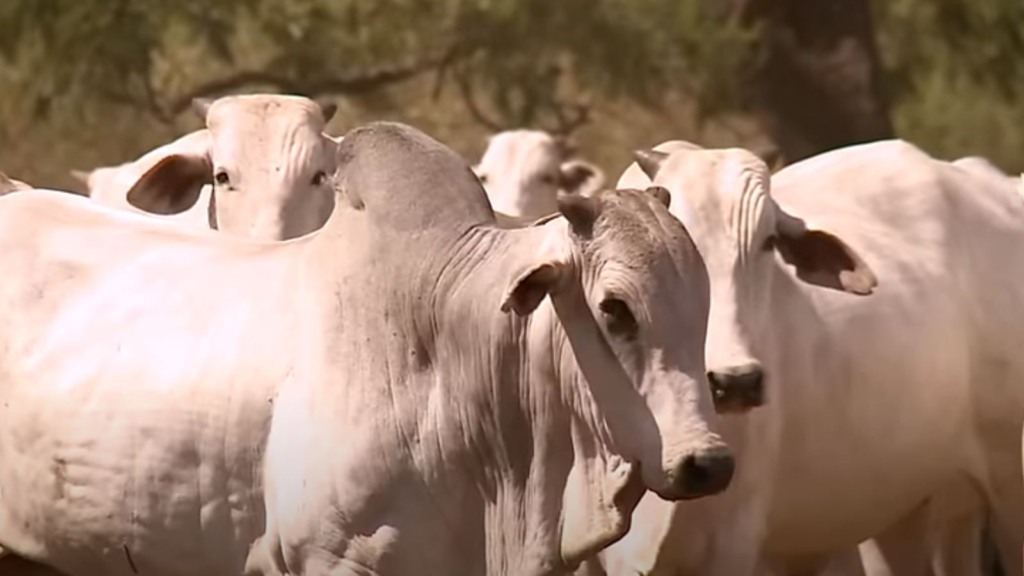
(636, 233)
(289, 131)
(264, 117)
(709, 181)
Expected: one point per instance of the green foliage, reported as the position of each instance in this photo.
(955, 70)
(99, 81)
(532, 60)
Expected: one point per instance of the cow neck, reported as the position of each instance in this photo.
(419, 363)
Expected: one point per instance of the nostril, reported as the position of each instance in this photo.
(737, 389)
(707, 472)
(717, 382)
(754, 387)
(755, 380)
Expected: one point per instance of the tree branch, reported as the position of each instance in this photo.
(355, 84)
(469, 99)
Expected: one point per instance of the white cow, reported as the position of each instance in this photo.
(523, 171)
(872, 404)
(352, 402)
(261, 169)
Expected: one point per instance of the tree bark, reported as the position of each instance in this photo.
(817, 79)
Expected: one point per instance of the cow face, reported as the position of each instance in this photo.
(723, 198)
(269, 163)
(648, 289)
(523, 171)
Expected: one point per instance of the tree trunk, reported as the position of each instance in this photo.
(817, 79)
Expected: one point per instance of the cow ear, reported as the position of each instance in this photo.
(540, 276)
(528, 289)
(821, 258)
(579, 175)
(172, 185)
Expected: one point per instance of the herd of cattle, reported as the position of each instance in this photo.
(261, 349)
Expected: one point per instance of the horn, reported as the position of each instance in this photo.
(649, 161)
(328, 108)
(580, 211)
(80, 175)
(201, 106)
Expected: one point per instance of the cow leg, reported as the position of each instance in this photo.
(1006, 506)
(958, 546)
(902, 549)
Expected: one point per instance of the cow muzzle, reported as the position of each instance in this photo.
(704, 472)
(737, 389)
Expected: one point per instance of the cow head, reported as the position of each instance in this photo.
(723, 198)
(267, 159)
(524, 170)
(646, 285)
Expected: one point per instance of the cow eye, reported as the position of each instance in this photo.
(483, 178)
(319, 178)
(548, 179)
(618, 318)
(222, 178)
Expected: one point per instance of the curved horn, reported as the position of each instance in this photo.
(580, 211)
(201, 106)
(649, 161)
(327, 108)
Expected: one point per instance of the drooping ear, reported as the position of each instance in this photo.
(327, 108)
(172, 185)
(580, 211)
(649, 161)
(528, 289)
(578, 176)
(201, 106)
(661, 193)
(821, 258)
(539, 274)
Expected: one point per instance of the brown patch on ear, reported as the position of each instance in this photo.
(824, 260)
(580, 176)
(172, 185)
(529, 289)
(661, 193)
(580, 211)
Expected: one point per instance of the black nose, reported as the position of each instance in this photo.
(737, 389)
(707, 472)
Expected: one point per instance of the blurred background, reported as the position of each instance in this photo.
(98, 82)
